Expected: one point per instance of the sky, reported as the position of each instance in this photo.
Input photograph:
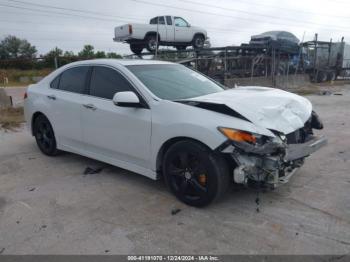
(70, 24)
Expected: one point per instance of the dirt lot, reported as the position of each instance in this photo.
(48, 206)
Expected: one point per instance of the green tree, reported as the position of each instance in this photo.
(100, 54)
(113, 55)
(55, 52)
(87, 52)
(14, 47)
(68, 54)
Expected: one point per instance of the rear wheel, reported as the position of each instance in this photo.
(44, 136)
(151, 43)
(321, 77)
(194, 173)
(136, 48)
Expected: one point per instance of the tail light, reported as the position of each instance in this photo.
(130, 29)
(25, 95)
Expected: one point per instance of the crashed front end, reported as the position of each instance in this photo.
(271, 161)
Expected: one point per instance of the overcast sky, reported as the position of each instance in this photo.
(229, 22)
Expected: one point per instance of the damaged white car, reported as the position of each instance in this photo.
(161, 119)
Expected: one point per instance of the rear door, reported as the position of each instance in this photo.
(112, 132)
(170, 29)
(161, 27)
(66, 95)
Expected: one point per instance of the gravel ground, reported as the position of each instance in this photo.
(48, 206)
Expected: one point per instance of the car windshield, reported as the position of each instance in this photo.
(174, 82)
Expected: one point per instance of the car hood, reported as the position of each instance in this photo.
(270, 108)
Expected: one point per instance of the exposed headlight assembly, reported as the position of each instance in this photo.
(238, 135)
(251, 143)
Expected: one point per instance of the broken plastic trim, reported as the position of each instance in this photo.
(219, 108)
(268, 148)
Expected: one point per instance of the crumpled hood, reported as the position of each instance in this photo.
(265, 107)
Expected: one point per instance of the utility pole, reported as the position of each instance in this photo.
(156, 51)
(55, 61)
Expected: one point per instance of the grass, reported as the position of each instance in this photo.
(14, 75)
(11, 118)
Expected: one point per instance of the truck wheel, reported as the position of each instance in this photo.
(321, 77)
(198, 42)
(331, 76)
(151, 43)
(136, 48)
(195, 174)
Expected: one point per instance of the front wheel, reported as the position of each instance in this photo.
(198, 42)
(195, 174)
(44, 136)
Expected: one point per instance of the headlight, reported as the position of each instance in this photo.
(238, 135)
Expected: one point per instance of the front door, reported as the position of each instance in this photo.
(183, 32)
(120, 135)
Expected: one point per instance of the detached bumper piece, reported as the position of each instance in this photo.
(271, 164)
(298, 151)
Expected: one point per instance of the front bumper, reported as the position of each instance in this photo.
(298, 151)
(272, 163)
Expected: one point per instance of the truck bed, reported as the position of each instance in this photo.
(127, 32)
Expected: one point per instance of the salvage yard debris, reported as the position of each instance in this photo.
(11, 117)
(92, 170)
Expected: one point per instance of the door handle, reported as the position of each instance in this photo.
(90, 106)
(52, 97)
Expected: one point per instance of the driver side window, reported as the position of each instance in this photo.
(105, 82)
(180, 22)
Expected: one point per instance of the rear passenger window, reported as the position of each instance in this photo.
(105, 82)
(55, 82)
(168, 20)
(73, 80)
(161, 20)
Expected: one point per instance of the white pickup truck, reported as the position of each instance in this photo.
(172, 31)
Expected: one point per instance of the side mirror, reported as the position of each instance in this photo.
(126, 99)
(188, 25)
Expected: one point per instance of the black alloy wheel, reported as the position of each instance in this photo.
(195, 174)
(44, 135)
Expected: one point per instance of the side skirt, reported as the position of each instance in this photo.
(118, 163)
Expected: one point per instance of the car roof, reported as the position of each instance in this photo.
(124, 62)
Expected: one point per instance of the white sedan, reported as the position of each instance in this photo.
(161, 119)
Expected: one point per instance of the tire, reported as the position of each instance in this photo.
(45, 136)
(195, 174)
(198, 42)
(136, 48)
(321, 77)
(151, 43)
(331, 76)
(181, 47)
